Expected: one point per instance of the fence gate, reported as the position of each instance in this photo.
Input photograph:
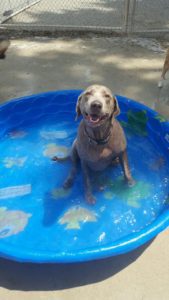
(96, 15)
(149, 16)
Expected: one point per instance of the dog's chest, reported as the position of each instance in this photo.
(94, 153)
(97, 157)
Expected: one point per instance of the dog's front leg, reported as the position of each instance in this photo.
(87, 184)
(74, 158)
(125, 166)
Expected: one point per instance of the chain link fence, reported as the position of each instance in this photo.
(96, 15)
(9, 8)
(149, 16)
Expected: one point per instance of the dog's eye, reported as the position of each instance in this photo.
(88, 93)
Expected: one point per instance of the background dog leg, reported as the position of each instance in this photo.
(4, 44)
(124, 163)
(166, 65)
(87, 184)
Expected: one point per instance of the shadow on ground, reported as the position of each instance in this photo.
(39, 65)
(46, 277)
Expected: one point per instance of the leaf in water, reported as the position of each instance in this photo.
(74, 216)
(15, 191)
(52, 135)
(131, 195)
(17, 134)
(157, 164)
(10, 162)
(161, 118)
(12, 222)
(123, 123)
(60, 193)
(138, 121)
(55, 150)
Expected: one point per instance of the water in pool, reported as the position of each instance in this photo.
(37, 213)
(32, 183)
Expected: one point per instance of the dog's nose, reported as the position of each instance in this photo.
(96, 105)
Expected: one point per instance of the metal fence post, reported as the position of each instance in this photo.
(126, 15)
(133, 13)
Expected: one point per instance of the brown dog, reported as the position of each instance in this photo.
(166, 65)
(100, 139)
(164, 70)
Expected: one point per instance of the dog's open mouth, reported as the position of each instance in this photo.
(94, 118)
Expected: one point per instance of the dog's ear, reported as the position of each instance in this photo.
(78, 111)
(116, 110)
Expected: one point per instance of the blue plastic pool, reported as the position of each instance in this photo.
(41, 222)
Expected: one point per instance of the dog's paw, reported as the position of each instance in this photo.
(68, 183)
(91, 199)
(160, 84)
(131, 182)
(55, 158)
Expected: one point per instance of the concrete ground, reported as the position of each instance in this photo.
(129, 67)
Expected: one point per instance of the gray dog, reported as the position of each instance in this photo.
(100, 140)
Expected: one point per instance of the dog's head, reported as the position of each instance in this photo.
(96, 104)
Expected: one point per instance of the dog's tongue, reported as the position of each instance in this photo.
(94, 119)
